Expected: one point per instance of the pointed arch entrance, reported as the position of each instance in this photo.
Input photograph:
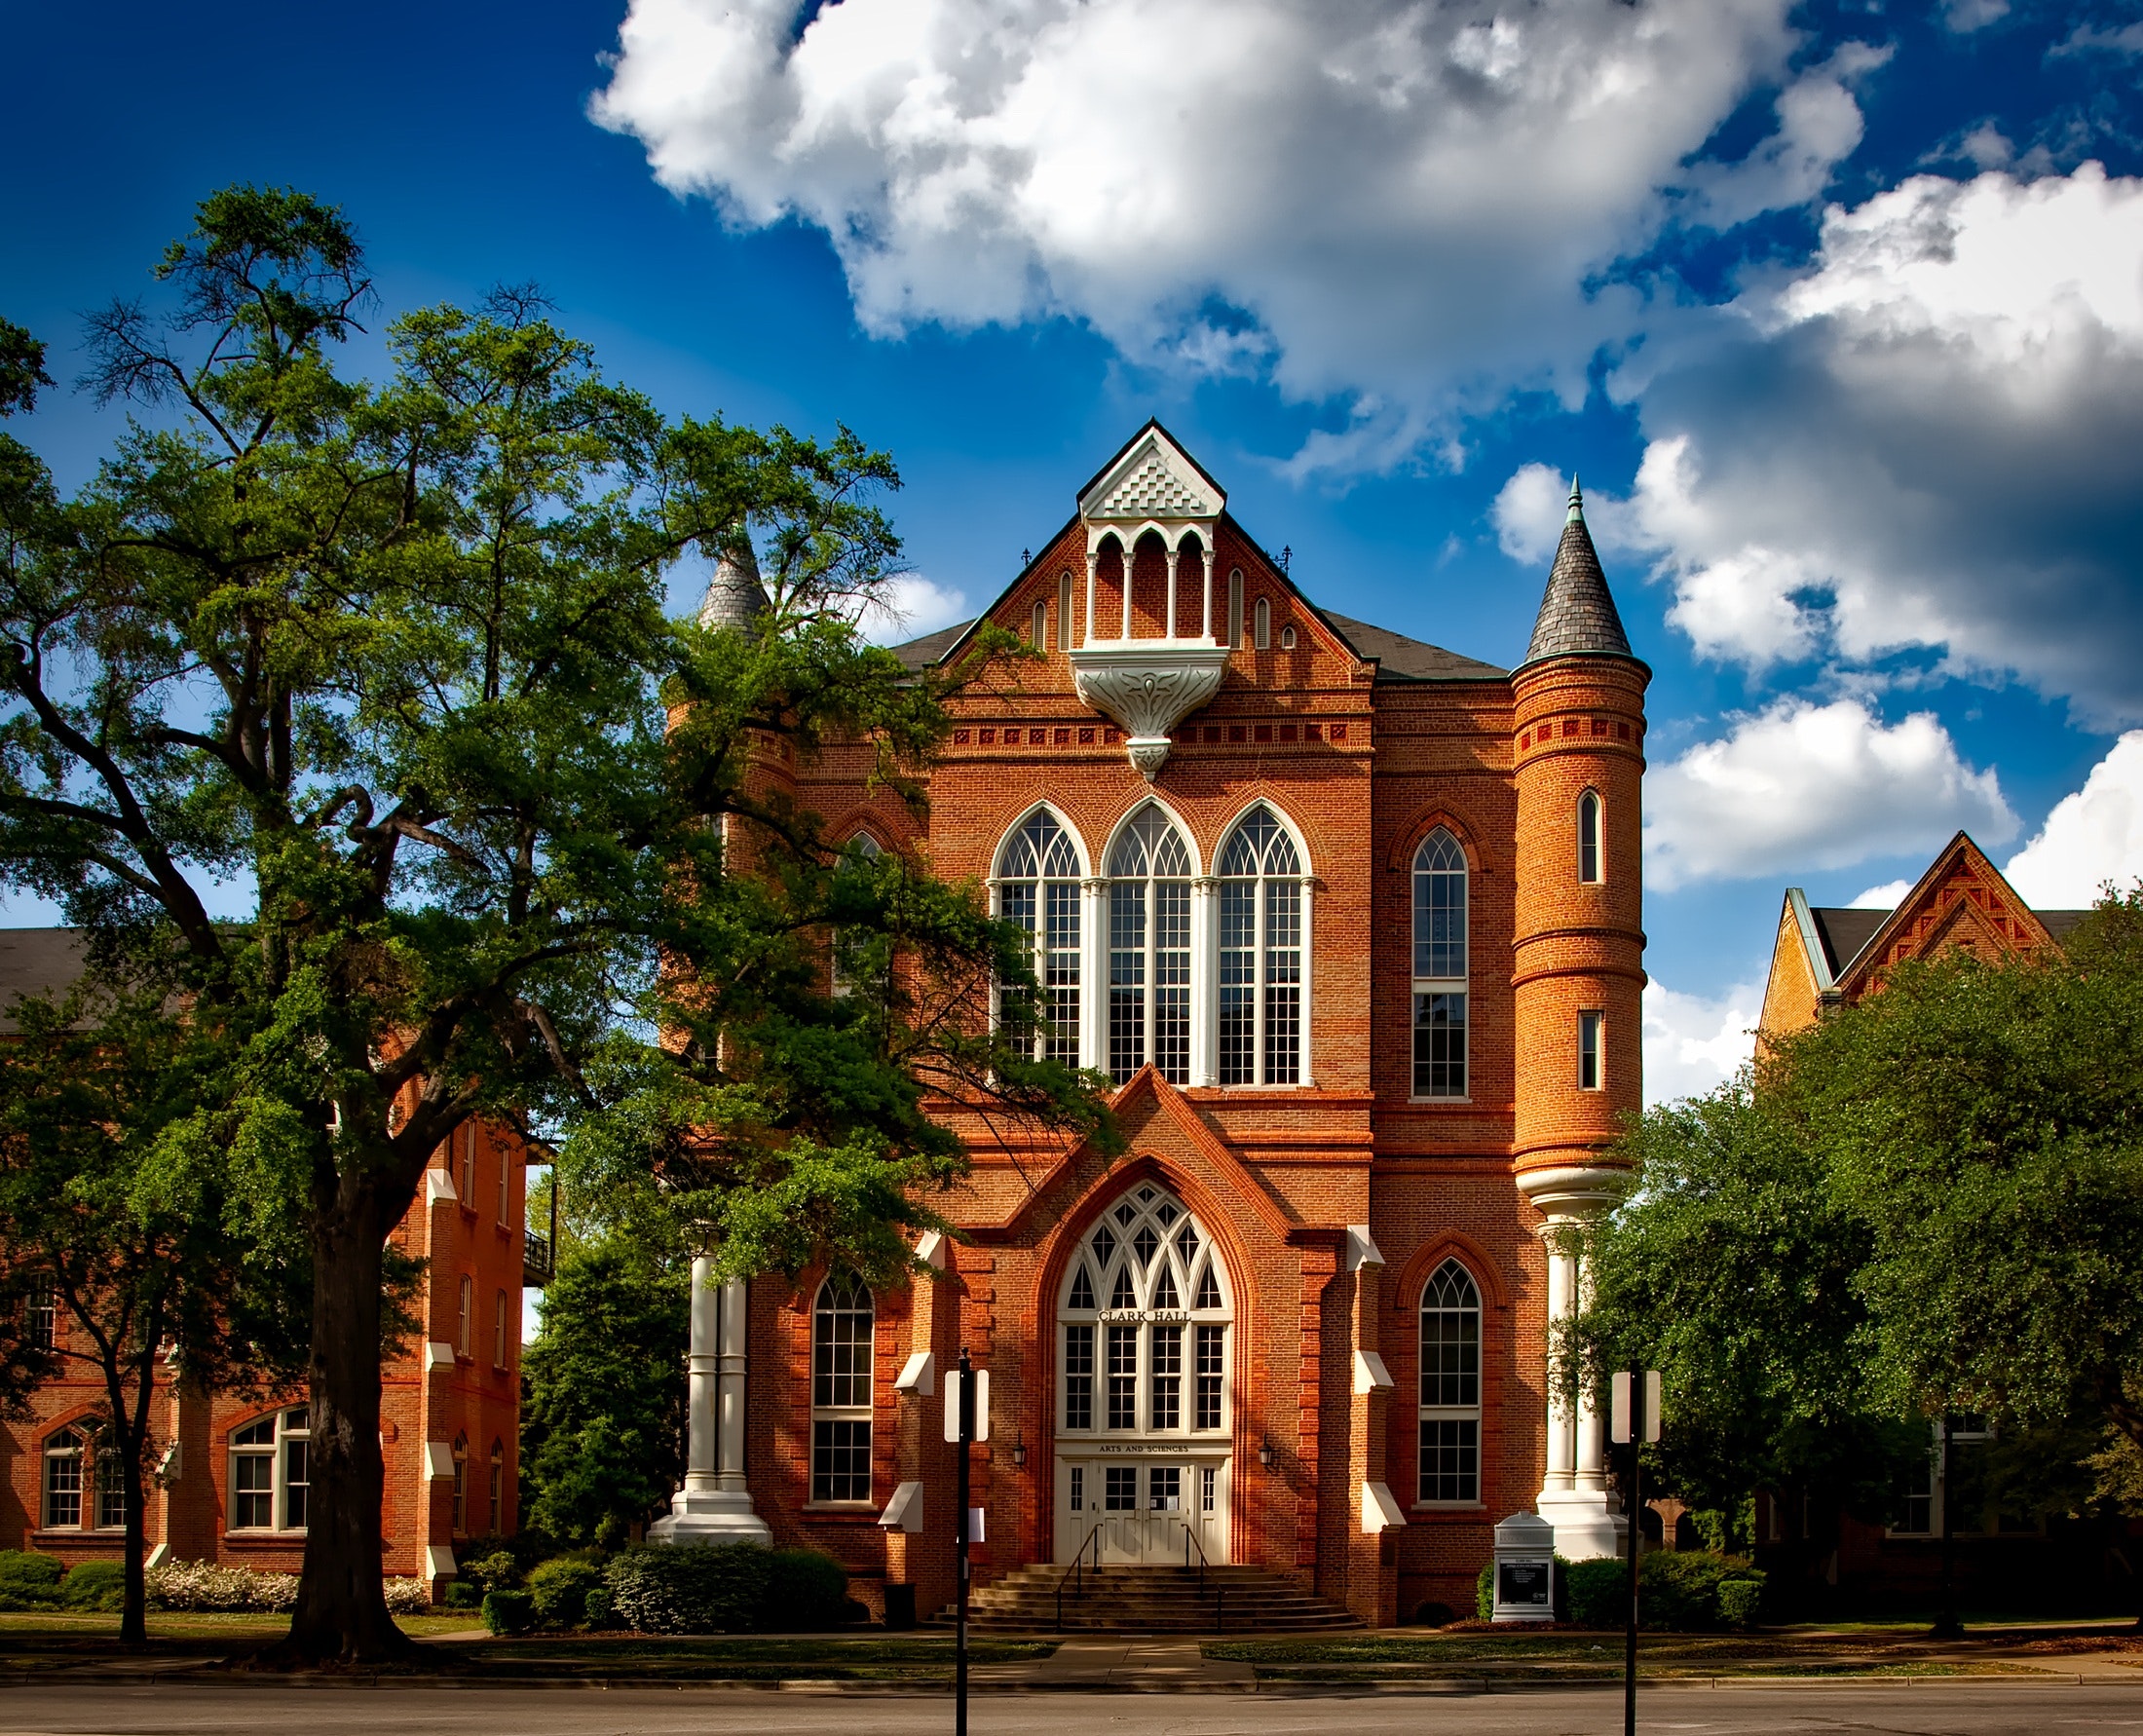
(1146, 1364)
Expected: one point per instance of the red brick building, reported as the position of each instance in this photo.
(1355, 923)
(232, 1486)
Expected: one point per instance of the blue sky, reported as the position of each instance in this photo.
(1837, 309)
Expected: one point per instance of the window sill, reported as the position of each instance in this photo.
(69, 1534)
(1443, 1102)
(1450, 1507)
(265, 1536)
(842, 1509)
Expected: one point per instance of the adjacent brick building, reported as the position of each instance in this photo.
(1355, 923)
(232, 1486)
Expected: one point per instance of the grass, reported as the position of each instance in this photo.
(190, 1624)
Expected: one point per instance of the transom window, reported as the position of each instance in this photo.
(1149, 949)
(1155, 1360)
(1439, 967)
(1038, 888)
(1261, 954)
(1450, 1385)
(841, 1343)
(271, 1471)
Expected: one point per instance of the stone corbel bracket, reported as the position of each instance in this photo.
(1149, 686)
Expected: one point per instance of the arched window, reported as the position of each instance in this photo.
(66, 1457)
(1262, 634)
(1450, 1385)
(1038, 888)
(1149, 949)
(498, 1488)
(861, 851)
(271, 1471)
(1261, 954)
(1439, 967)
(460, 1485)
(464, 1325)
(1591, 864)
(840, 1391)
(468, 1179)
(1234, 634)
(499, 1332)
(1038, 632)
(1064, 611)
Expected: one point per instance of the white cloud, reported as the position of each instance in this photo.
(1405, 200)
(1691, 1044)
(1929, 440)
(912, 605)
(1887, 896)
(1529, 510)
(2090, 838)
(1802, 786)
(1966, 16)
(2127, 39)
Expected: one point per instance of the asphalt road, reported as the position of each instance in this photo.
(1993, 1709)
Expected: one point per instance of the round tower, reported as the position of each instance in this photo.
(1578, 749)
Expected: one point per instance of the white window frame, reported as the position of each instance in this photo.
(841, 1394)
(1592, 839)
(868, 848)
(1592, 1050)
(287, 1448)
(42, 1307)
(496, 1487)
(458, 1519)
(69, 1459)
(1433, 859)
(1040, 900)
(1039, 626)
(498, 1346)
(468, 1178)
(1284, 845)
(1455, 1394)
(464, 1325)
(506, 1193)
(1063, 612)
(1150, 840)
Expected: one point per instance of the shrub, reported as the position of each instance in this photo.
(497, 1571)
(29, 1579)
(600, 1609)
(509, 1612)
(1599, 1592)
(203, 1585)
(462, 1595)
(1484, 1593)
(718, 1589)
(804, 1589)
(560, 1589)
(95, 1585)
(1739, 1601)
(1681, 1592)
(407, 1597)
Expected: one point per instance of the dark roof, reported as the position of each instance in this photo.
(1844, 931)
(1577, 613)
(1400, 658)
(920, 654)
(2058, 922)
(36, 961)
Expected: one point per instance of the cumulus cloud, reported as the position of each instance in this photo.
(1692, 1043)
(1802, 786)
(912, 607)
(1529, 510)
(2092, 838)
(1966, 16)
(1395, 202)
(1887, 896)
(1929, 440)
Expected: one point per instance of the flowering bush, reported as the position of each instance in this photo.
(203, 1585)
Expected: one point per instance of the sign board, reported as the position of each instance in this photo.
(1617, 1410)
(1523, 1584)
(952, 1404)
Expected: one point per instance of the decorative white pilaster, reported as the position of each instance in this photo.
(1174, 555)
(1086, 626)
(714, 1506)
(1208, 559)
(1309, 951)
(1574, 1496)
(1129, 551)
(1205, 939)
(1094, 972)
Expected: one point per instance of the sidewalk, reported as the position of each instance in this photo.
(1120, 1663)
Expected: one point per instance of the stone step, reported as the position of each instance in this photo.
(1147, 1600)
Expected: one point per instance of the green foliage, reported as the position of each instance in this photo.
(94, 1585)
(603, 1422)
(509, 1612)
(600, 1609)
(30, 1577)
(462, 1595)
(22, 368)
(1598, 1592)
(560, 1588)
(729, 1588)
(500, 1570)
(1741, 1601)
(1679, 1592)
(1484, 1594)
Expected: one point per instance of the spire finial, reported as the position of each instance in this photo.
(1576, 513)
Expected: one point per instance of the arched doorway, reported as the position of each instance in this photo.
(1145, 1357)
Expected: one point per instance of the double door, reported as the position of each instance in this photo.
(1144, 1510)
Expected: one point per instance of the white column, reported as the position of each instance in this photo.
(1574, 1496)
(1208, 558)
(1589, 1469)
(1205, 981)
(1174, 555)
(714, 1506)
(1094, 972)
(1561, 1435)
(1086, 626)
(1127, 554)
(1302, 1035)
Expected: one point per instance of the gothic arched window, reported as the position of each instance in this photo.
(1038, 888)
(1592, 864)
(1439, 967)
(841, 1341)
(1450, 1385)
(1261, 975)
(1149, 949)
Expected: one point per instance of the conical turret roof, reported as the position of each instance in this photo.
(734, 597)
(1578, 613)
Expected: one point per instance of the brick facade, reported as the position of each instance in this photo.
(1362, 744)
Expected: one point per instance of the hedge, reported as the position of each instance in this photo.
(726, 1588)
(1678, 1590)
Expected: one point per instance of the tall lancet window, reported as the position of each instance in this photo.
(1591, 867)
(1439, 967)
(1149, 949)
(1261, 954)
(841, 1331)
(1038, 888)
(1450, 1385)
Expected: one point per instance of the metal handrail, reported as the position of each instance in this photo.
(1076, 1572)
(1220, 1591)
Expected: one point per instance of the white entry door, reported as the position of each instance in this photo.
(1140, 1512)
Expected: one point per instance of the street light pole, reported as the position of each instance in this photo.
(960, 1503)
(1637, 1549)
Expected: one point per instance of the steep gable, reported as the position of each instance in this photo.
(1962, 901)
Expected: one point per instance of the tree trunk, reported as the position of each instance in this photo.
(341, 1613)
(133, 1619)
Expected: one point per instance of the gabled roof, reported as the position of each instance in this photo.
(1152, 477)
(1400, 659)
(1577, 613)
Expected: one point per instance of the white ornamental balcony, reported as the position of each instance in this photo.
(1149, 686)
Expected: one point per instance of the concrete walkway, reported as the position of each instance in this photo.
(1117, 1661)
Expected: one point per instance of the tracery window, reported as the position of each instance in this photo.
(1450, 1385)
(842, 1333)
(1261, 975)
(1149, 949)
(1439, 967)
(1158, 1351)
(1591, 866)
(862, 850)
(271, 1471)
(1038, 888)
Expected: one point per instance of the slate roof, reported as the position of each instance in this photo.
(36, 961)
(1400, 658)
(734, 597)
(1577, 613)
(1844, 932)
(920, 654)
